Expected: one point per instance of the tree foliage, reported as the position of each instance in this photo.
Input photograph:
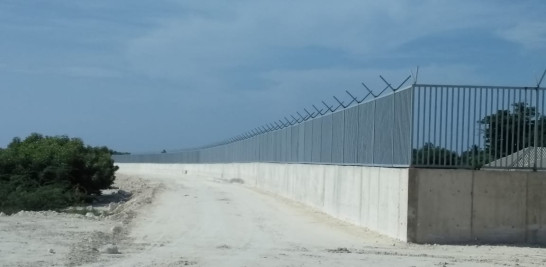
(508, 131)
(44, 172)
(505, 132)
(432, 155)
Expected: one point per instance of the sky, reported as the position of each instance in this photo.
(143, 76)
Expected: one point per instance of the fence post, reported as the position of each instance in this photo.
(537, 95)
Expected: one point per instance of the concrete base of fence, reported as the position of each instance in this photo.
(413, 205)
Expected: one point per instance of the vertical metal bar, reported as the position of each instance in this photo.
(453, 123)
(513, 127)
(529, 122)
(519, 138)
(535, 139)
(393, 125)
(458, 114)
(498, 141)
(416, 124)
(429, 122)
(446, 123)
(424, 89)
(488, 107)
(461, 122)
(475, 152)
(435, 124)
(524, 140)
(442, 151)
(480, 116)
(412, 126)
(357, 150)
(373, 132)
(505, 126)
(542, 128)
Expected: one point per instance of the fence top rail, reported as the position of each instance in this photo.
(481, 86)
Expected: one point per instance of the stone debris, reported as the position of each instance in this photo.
(111, 249)
(116, 230)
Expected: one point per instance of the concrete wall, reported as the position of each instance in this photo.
(415, 205)
(461, 206)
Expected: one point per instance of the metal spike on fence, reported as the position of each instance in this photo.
(387, 83)
(319, 111)
(403, 82)
(287, 120)
(340, 103)
(353, 97)
(328, 107)
(298, 121)
(369, 90)
(415, 76)
(539, 82)
(310, 114)
(303, 119)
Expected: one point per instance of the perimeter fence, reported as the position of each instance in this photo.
(438, 126)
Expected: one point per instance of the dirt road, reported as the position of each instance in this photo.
(210, 222)
(182, 220)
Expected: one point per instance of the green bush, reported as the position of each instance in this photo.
(41, 173)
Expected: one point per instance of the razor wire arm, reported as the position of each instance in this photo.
(353, 97)
(328, 107)
(273, 127)
(290, 122)
(310, 114)
(415, 76)
(370, 92)
(319, 111)
(340, 103)
(303, 118)
(297, 121)
(390, 86)
(539, 82)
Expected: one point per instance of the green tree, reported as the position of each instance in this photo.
(474, 157)
(432, 155)
(508, 131)
(52, 172)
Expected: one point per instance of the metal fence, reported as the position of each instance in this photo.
(440, 126)
(479, 127)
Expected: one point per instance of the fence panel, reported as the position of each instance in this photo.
(384, 129)
(338, 125)
(440, 126)
(326, 139)
(350, 135)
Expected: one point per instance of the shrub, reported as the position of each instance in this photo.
(52, 172)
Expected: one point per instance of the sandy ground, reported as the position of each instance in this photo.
(201, 221)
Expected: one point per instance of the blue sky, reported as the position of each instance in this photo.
(150, 75)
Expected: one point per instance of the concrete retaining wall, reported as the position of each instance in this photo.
(414, 205)
(460, 206)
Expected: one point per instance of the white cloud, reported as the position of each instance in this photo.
(530, 34)
(248, 33)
